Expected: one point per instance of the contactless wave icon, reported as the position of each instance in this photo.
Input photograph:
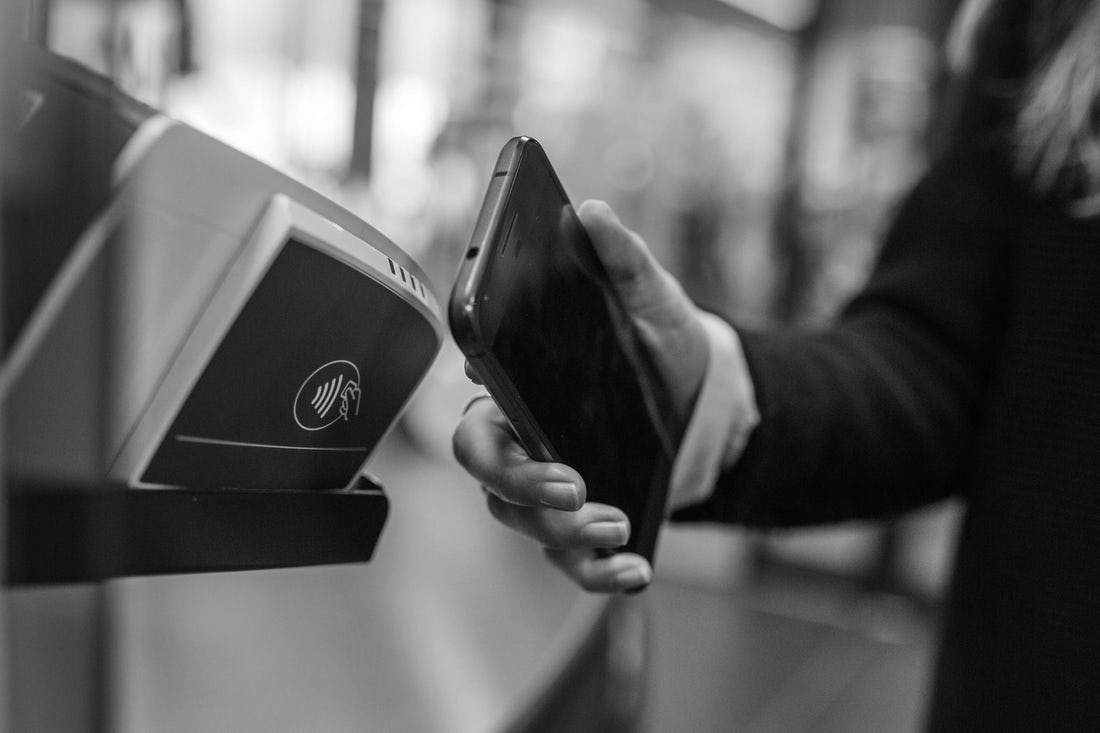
(328, 395)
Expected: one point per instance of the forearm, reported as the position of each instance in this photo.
(856, 422)
(880, 412)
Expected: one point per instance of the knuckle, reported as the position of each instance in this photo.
(549, 537)
(460, 445)
(590, 584)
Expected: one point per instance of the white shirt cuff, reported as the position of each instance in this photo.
(724, 417)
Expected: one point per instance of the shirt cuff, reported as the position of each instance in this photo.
(724, 417)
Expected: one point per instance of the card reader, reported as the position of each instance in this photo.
(215, 354)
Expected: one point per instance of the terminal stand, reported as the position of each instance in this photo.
(59, 535)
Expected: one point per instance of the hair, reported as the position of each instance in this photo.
(1057, 127)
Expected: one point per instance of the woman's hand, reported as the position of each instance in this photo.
(546, 501)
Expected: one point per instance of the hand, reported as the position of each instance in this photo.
(546, 501)
(666, 320)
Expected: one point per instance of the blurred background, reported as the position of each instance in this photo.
(758, 146)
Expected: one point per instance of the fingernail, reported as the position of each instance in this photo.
(635, 577)
(610, 212)
(560, 495)
(606, 534)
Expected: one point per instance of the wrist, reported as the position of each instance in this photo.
(724, 415)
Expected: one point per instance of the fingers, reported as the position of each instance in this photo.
(546, 502)
(572, 540)
(485, 446)
(614, 574)
(593, 526)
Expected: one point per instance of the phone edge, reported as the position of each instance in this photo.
(462, 311)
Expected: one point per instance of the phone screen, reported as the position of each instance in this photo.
(560, 356)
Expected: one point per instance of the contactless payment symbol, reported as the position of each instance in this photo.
(330, 394)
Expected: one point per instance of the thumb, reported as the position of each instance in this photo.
(631, 267)
(664, 317)
(653, 298)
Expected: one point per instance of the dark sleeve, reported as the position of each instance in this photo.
(879, 413)
(882, 412)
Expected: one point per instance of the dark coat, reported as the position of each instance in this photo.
(970, 366)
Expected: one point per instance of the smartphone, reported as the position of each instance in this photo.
(539, 321)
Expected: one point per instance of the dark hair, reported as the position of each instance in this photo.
(1057, 129)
